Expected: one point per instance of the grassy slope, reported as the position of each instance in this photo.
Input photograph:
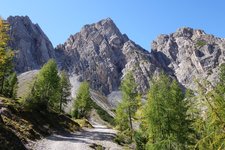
(25, 81)
(24, 125)
(103, 114)
(102, 107)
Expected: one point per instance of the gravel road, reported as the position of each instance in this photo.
(100, 135)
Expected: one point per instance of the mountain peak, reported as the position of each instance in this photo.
(106, 27)
(99, 53)
(191, 54)
(32, 46)
(19, 18)
(109, 20)
(188, 32)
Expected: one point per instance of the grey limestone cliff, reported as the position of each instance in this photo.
(102, 55)
(32, 47)
(190, 55)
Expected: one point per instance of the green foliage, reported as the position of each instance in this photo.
(83, 105)
(222, 75)
(129, 105)
(6, 60)
(122, 118)
(82, 102)
(123, 137)
(141, 140)
(200, 43)
(10, 86)
(211, 123)
(65, 88)
(103, 114)
(45, 91)
(166, 116)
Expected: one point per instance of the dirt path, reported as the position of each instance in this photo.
(100, 135)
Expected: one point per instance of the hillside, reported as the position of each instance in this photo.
(22, 126)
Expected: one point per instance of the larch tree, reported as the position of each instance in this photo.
(82, 102)
(210, 124)
(65, 90)
(45, 92)
(129, 104)
(10, 86)
(166, 115)
(6, 55)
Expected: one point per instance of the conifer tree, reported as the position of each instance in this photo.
(166, 115)
(129, 105)
(10, 86)
(6, 55)
(65, 88)
(45, 92)
(210, 124)
(122, 118)
(82, 102)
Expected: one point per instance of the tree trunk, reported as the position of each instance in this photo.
(60, 105)
(3, 80)
(130, 121)
(61, 99)
(2, 85)
(1, 120)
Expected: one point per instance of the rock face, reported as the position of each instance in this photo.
(31, 45)
(190, 54)
(100, 54)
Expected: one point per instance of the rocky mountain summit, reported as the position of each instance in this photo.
(32, 47)
(190, 55)
(102, 55)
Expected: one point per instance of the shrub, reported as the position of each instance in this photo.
(200, 43)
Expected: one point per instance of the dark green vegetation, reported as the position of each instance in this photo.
(175, 120)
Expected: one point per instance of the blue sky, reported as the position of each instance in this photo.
(141, 20)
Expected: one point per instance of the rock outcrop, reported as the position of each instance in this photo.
(190, 55)
(32, 47)
(102, 55)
